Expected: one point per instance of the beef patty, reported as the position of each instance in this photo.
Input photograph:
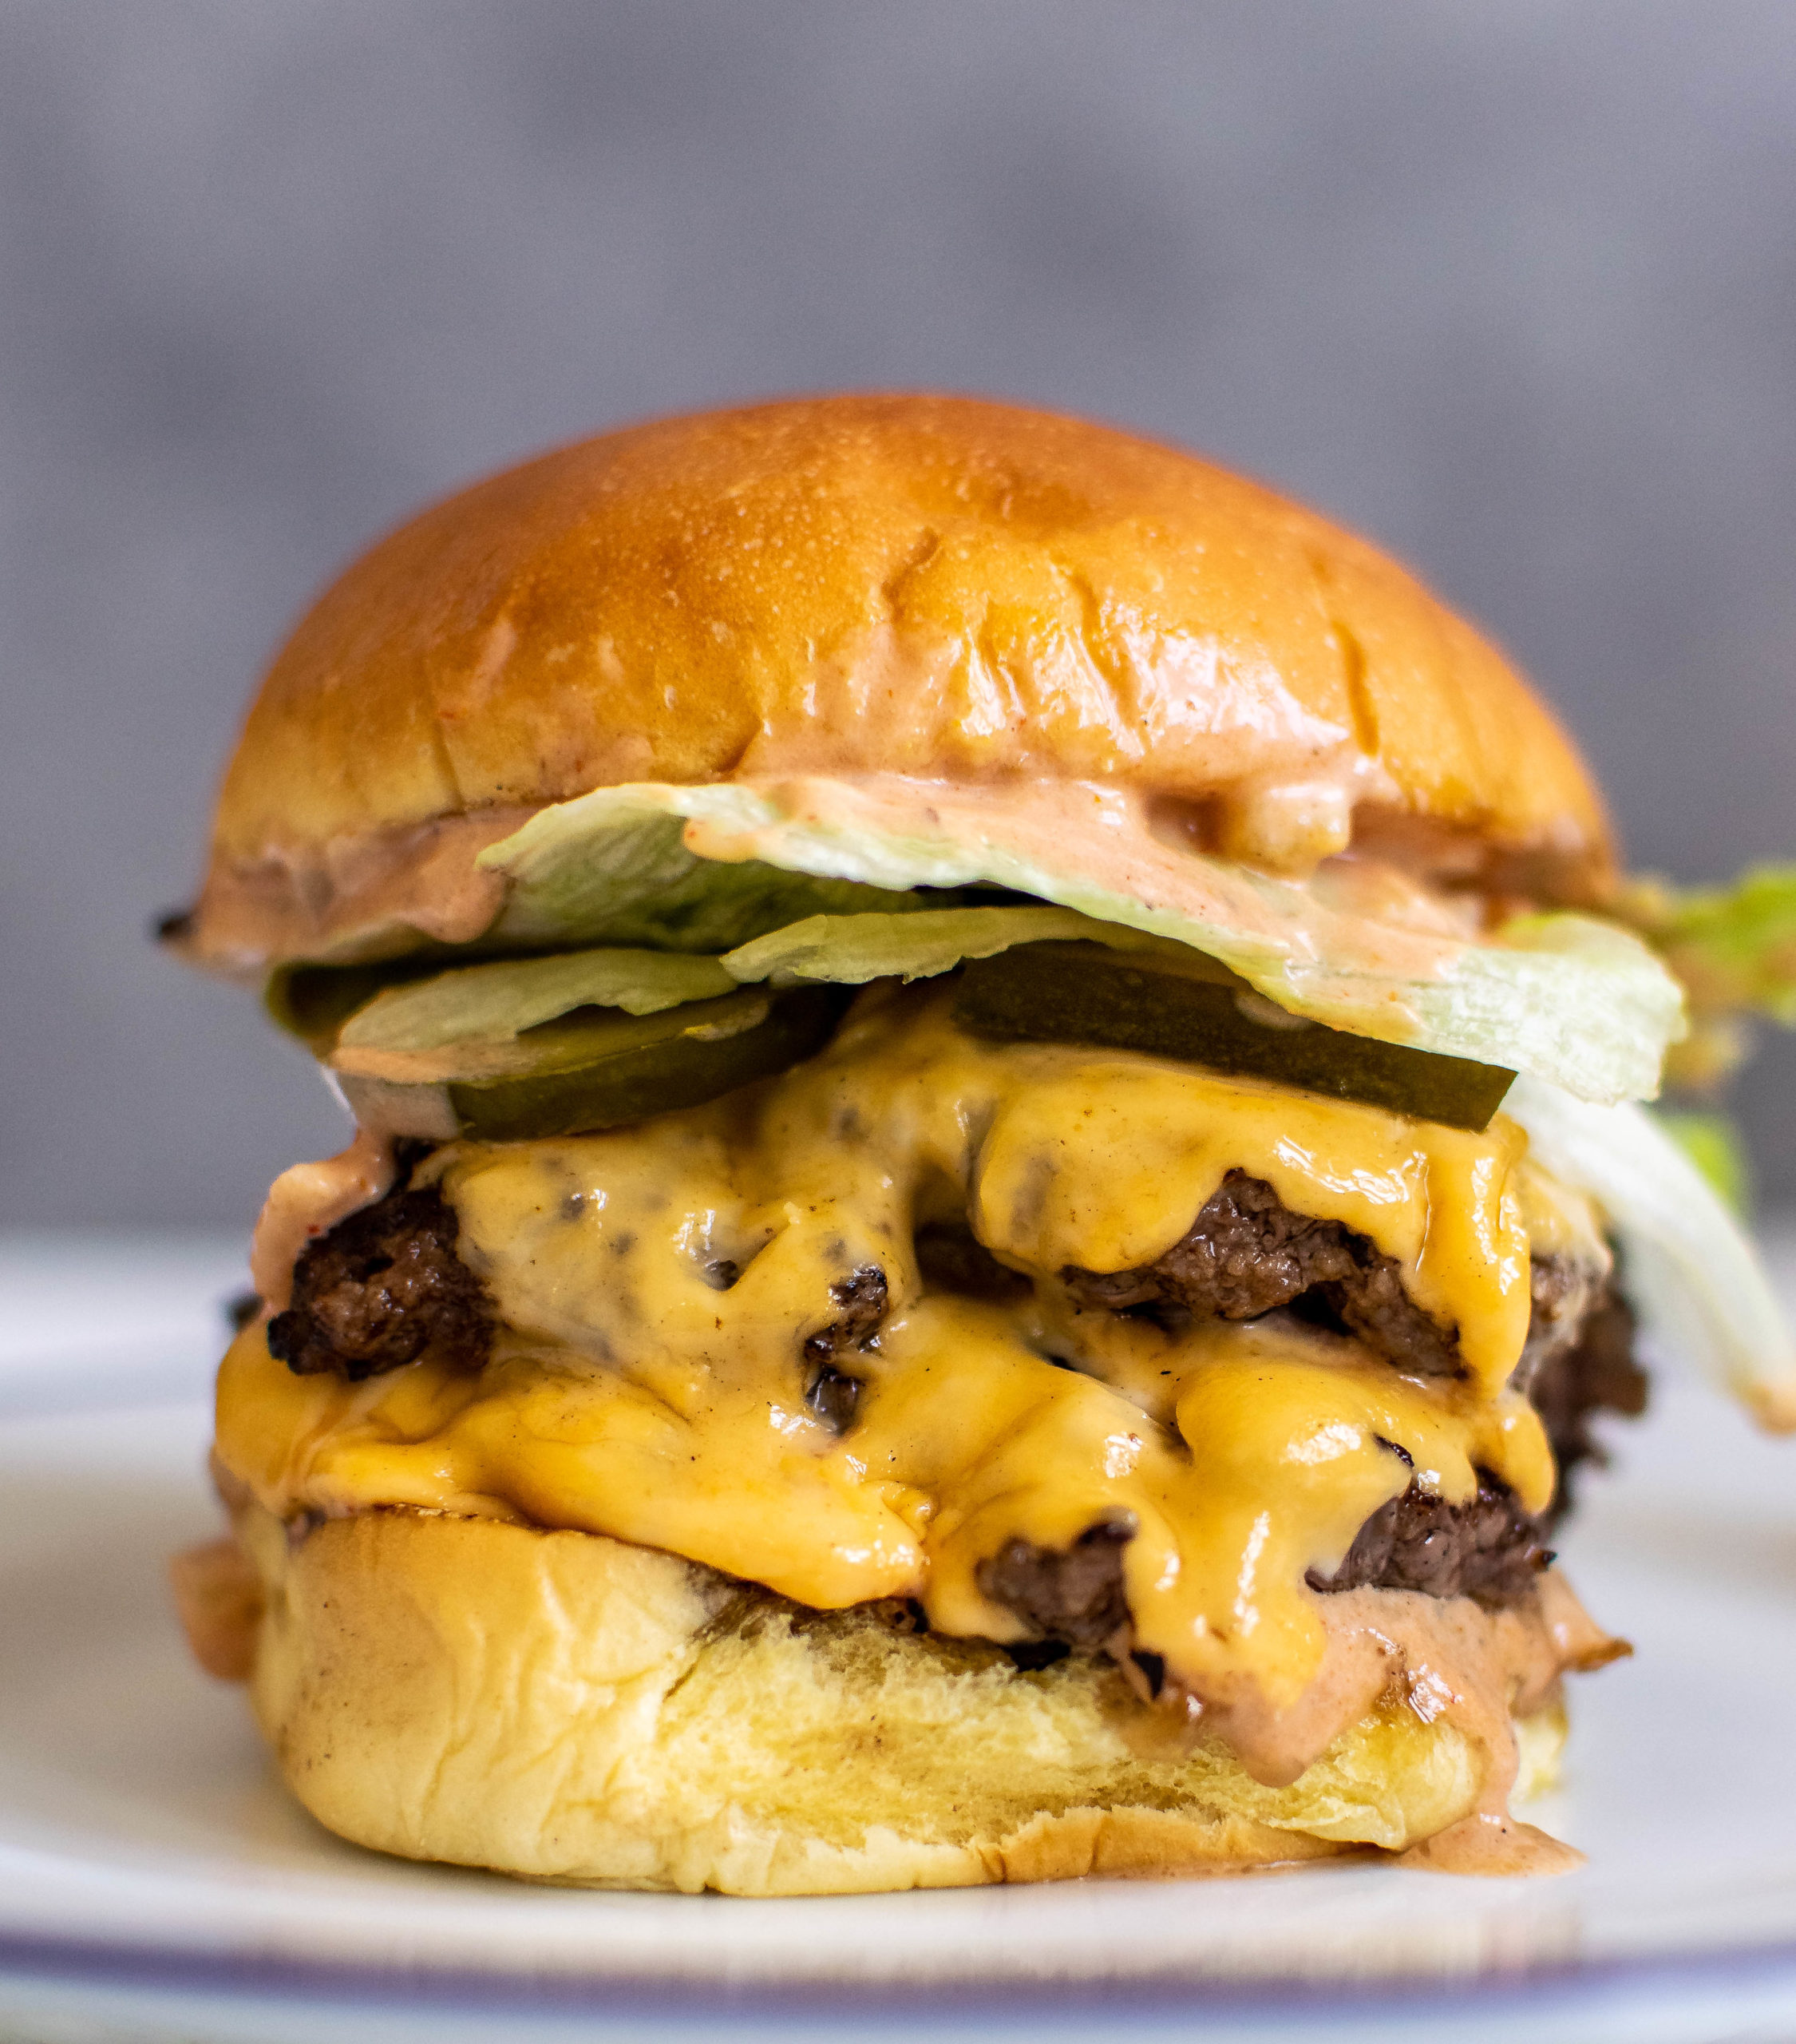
(1247, 1253)
(1068, 1596)
(832, 1392)
(1488, 1548)
(1594, 1371)
(380, 1288)
(386, 1284)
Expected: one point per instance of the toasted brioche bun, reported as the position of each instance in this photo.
(570, 1708)
(931, 586)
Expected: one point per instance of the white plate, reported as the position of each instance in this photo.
(154, 1881)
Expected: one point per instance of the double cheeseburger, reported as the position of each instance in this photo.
(991, 1078)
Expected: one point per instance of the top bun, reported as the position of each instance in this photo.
(934, 586)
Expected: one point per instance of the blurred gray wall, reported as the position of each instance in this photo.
(1512, 286)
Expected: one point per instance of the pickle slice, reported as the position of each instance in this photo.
(1199, 1011)
(595, 1069)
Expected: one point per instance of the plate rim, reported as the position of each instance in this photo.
(1521, 1987)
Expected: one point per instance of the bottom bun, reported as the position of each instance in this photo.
(569, 1708)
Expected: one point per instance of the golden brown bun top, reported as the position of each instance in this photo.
(936, 586)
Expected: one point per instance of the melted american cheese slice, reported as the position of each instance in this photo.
(628, 1395)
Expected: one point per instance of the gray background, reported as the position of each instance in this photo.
(1512, 286)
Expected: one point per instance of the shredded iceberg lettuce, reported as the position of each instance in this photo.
(1574, 1001)
(1687, 1264)
(489, 1002)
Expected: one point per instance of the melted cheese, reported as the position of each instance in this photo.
(628, 1395)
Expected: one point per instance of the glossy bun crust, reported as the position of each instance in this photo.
(926, 586)
(570, 1708)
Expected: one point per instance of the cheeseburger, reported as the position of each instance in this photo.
(995, 1176)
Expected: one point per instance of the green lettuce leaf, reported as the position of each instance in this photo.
(849, 950)
(1688, 1265)
(1572, 1000)
(623, 875)
(1713, 1143)
(488, 1003)
(1577, 1001)
(500, 998)
(1733, 947)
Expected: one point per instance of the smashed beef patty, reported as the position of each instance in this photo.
(1067, 1596)
(1247, 1252)
(1593, 1372)
(387, 1284)
(380, 1288)
(1488, 1548)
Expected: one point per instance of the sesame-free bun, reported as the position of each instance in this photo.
(934, 586)
(570, 1708)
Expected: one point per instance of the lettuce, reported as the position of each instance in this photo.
(1687, 1263)
(1578, 1002)
(486, 1003)
(621, 874)
(849, 950)
(503, 997)
(1573, 1000)
(1714, 1144)
(1734, 947)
